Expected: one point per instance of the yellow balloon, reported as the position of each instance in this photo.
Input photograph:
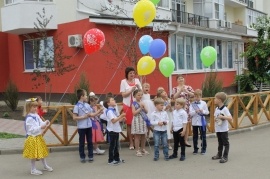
(146, 65)
(144, 13)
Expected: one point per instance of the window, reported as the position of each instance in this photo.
(8, 2)
(198, 52)
(219, 54)
(230, 55)
(38, 54)
(216, 10)
(189, 53)
(179, 9)
(164, 3)
(180, 53)
(252, 16)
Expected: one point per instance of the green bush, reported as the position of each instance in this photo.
(211, 85)
(11, 96)
(82, 84)
(245, 82)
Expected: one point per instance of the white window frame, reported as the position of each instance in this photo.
(45, 52)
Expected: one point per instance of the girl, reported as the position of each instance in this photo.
(40, 111)
(168, 108)
(149, 104)
(34, 146)
(139, 123)
(97, 133)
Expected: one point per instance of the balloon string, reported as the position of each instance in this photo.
(72, 78)
(137, 29)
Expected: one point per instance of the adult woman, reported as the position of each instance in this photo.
(184, 91)
(128, 85)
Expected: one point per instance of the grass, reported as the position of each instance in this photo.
(4, 135)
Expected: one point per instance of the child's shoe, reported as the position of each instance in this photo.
(172, 156)
(48, 168)
(156, 159)
(138, 154)
(216, 157)
(99, 152)
(145, 152)
(182, 158)
(36, 172)
(223, 160)
(195, 152)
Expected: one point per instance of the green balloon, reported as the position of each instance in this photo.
(166, 66)
(208, 56)
(155, 2)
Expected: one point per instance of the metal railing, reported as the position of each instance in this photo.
(10, 2)
(189, 18)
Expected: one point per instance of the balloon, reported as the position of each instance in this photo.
(93, 40)
(144, 13)
(208, 56)
(157, 48)
(166, 66)
(144, 43)
(146, 65)
(155, 2)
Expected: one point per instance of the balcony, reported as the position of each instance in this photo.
(18, 16)
(188, 18)
(236, 3)
(239, 28)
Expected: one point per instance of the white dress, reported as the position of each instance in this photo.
(149, 104)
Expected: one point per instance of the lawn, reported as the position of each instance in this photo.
(4, 135)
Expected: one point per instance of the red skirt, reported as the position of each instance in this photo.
(129, 115)
(97, 135)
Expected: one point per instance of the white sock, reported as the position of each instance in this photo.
(33, 164)
(43, 160)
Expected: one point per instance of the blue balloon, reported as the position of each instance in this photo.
(157, 48)
(144, 43)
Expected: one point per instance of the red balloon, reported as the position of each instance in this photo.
(93, 40)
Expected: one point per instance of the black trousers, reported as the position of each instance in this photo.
(87, 132)
(178, 138)
(196, 130)
(113, 149)
(223, 141)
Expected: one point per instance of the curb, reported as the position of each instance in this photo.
(125, 144)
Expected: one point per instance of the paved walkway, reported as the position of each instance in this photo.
(248, 158)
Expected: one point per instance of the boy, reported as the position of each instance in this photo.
(178, 129)
(197, 110)
(222, 113)
(159, 120)
(114, 129)
(81, 114)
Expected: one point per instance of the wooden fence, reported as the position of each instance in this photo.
(247, 110)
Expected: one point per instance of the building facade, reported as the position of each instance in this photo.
(187, 26)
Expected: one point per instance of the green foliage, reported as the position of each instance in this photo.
(11, 96)
(211, 85)
(257, 52)
(82, 84)
(246, 82)
(4, 135)
(6, 115)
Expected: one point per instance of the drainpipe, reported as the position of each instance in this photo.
(171, 34)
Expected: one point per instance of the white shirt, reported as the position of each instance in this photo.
(113, 127)
(103, 115)
(224, 127)
(195, 117)
(124, 87)
(33, 124)
(179, 118)
(159, 116)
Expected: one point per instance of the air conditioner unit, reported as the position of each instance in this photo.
(228, 25)
(221, 23)
(75, 40)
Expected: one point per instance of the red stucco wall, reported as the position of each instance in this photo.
(4, 61)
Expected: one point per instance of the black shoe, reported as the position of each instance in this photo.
(216, 157)
(203, 152)
(187, 145)
(195, 152)
(223, 160)
(90, 160)
(172, 156)
(82, 160)
(182, 158)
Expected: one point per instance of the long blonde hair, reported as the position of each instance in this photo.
(28, 105)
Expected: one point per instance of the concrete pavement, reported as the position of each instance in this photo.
(248, 158)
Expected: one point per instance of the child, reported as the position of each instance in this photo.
(81, 114)
(139, 123)
(179, 128)
(149, 104)
(159, 120)
(197, 110)
(34, 146)
(40, 111)
(168, 108)
(222, 113)
(114, 129)
(97, 135)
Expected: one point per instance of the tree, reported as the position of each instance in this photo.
(258, 54)
(48, 53)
